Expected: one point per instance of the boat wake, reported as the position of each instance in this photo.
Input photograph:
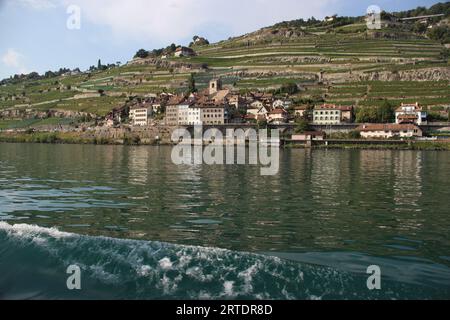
(34, 260)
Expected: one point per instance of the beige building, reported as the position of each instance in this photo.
(236, 101)
(387, 131)
(277, 116)
(212, 114)
(192, 114)
(300, 111)
(172, 115)
(330, 114)
(139, 115)
(215, 85)
(309, 136)
(171, 118)
(184, 52)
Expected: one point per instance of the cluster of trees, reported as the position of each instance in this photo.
(102, 67)
(36, 76)
(287, 88)
(142, 53)
(192, 86)
(199, 41)
(439, 8)
(382, 114)
(51, 74)
(440, 33)
(423, 11)
(313, 22)
(302, 125)
(61, 71)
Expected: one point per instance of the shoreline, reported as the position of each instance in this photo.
(70, 138)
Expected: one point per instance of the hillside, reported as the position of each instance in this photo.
(338, 62)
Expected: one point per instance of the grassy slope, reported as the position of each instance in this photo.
(252, 63)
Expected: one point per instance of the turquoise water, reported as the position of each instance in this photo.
(142, 228)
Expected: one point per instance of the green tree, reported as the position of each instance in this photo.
(141, 54)
(262, 124)
(366, 115)
(302, 126)
(441, 33)
(354, 134)
(386, 113)
(192, 87)
(289, 88)
(419, 27)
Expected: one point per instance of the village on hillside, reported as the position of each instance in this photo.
(316, 80)
(218, 106)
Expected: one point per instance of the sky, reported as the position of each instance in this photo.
(41, 35)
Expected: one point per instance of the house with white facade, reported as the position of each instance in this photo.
(140, 114)
(331, 114)
(189, 114)
(277, 116)
(410, 113)
(285, 104)
(184, 52)
(387, 131)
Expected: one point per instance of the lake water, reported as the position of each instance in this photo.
(142, 227)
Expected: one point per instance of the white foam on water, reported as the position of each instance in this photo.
(155, 268)
(30, 231)
(144, 271)
(228, 288)
(165, 264)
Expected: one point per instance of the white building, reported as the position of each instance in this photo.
(285, 104)
(184, 52)
(189, 115)
(387, 131)
(277, 116)
(330, 114)
(410, 113)
(140, 115)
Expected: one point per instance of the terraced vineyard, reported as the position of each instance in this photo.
(375, 92)
(348, 66)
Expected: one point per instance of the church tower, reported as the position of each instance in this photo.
(214, 86)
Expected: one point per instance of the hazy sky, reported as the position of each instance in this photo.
(34, 35)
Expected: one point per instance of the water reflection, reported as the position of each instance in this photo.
(377, 202)
(407, 170)
(138, 165)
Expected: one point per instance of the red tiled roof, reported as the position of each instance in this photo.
(277, 111)
(387, 127)
(174, 100)
(408, 116)
(334, 107)
(184, 49)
